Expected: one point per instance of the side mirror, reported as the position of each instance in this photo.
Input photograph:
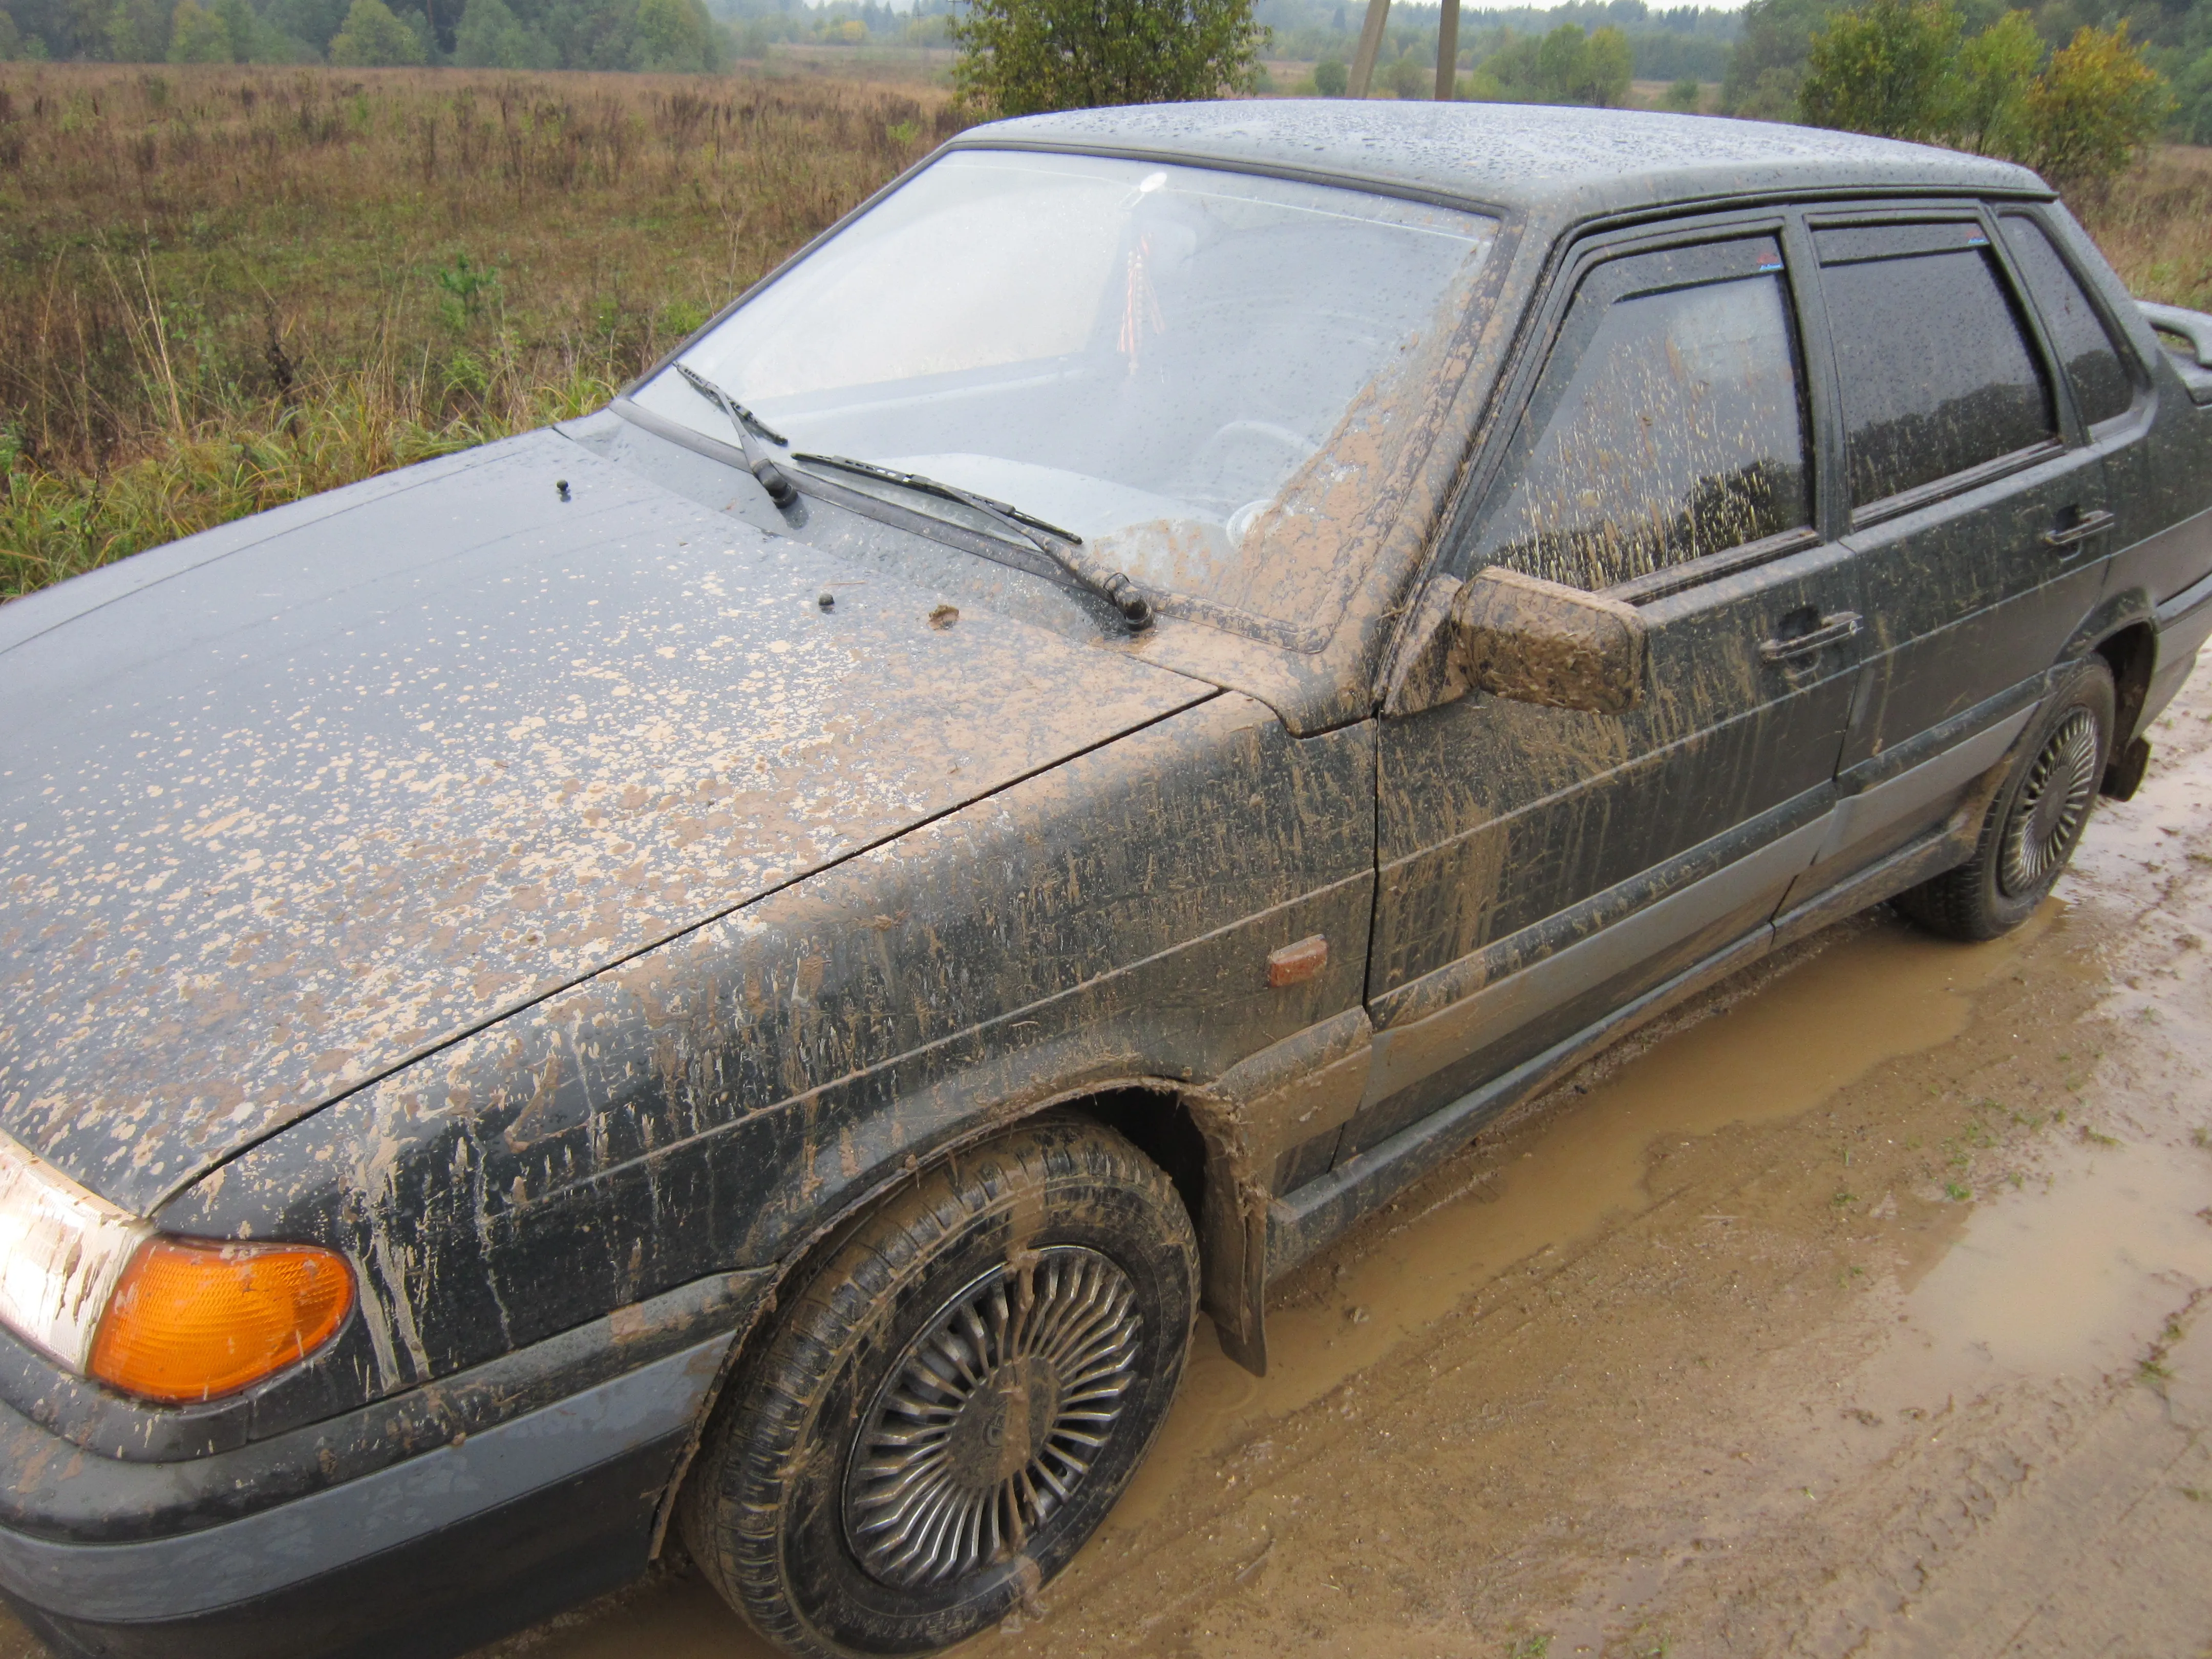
(1537, 642)
(1531, 641)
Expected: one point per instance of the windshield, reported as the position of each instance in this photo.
(1167, 361)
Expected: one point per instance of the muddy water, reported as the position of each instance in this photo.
(1854, 1309)
(2062, 1282)
(1774, 1055)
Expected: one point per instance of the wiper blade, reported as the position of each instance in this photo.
(1063, 547)
(781, 489)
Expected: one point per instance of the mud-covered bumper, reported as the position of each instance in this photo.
(430, 1554)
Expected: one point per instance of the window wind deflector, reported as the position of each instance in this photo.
(780, 490)
(1062, 547)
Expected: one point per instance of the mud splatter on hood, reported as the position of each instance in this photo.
(284, 806)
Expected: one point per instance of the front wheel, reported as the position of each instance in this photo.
(2035, 821)
(954, 1400)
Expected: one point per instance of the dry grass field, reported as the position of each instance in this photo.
(2155, 226)
(222, 288)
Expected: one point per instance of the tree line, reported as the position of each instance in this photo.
(2057, 85)
(605, 34)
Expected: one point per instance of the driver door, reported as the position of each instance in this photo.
(1542, 867)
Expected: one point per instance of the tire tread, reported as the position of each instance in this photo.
(731, 1510)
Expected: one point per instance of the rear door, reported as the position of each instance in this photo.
(1977, 513)
(1541, 866)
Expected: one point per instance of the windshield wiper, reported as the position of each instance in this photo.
(1061, 546)
(781, 489)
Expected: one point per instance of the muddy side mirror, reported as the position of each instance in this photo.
(1537, 642)
(1531, 641)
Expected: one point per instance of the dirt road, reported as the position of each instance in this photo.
(1856, 1311)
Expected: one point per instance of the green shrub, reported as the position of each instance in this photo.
(1565, 66)
(1900, 68)
(197, 35)
(2094, 109)
(1887, 69)
(1996, 69)
(2192, 90)
(375, 37)
(1021, 57)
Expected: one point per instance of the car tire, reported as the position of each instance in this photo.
(953, 1400)
(2034, 824)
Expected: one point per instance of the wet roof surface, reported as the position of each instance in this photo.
(1516, 155)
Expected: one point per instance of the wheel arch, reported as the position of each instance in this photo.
(2131, 652)
(1154, 1115)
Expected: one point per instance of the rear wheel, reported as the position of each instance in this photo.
(953, 1401)
(2035, 821)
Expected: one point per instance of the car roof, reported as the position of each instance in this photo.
(1540, 159)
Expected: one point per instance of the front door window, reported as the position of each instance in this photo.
(1677, 433)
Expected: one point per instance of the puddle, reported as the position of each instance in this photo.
(1883, 991)
(2050, 1282)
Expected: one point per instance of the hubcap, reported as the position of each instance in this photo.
(2047, 815)
(991, 1417)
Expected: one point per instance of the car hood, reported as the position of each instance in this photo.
(287, 805)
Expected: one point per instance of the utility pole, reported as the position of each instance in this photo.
(1371, 42)
(1448, 53)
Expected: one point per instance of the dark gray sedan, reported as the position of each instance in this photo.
(741, 970)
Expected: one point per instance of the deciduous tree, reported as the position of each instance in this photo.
(1996, 69)
(1768, 62)
(677, 34)
(1019, 57)
(1899, 68)
(1886, 68)
(2094, 110)
(1608, 64)
(196, 36)
(374, 37)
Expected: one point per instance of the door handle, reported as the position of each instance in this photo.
(1833, 630)
(2073, 535)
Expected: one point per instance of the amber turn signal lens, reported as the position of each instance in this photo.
(190, 1320)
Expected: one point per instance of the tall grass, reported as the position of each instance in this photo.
(2155, 226)
(224, 289)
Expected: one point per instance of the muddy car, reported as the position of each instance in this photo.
(736, 972)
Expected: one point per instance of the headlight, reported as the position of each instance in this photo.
(61, 1251)
(170, 1319)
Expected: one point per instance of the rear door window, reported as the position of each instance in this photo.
(1938, 376)
(1668, 423)
(2101, 386)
